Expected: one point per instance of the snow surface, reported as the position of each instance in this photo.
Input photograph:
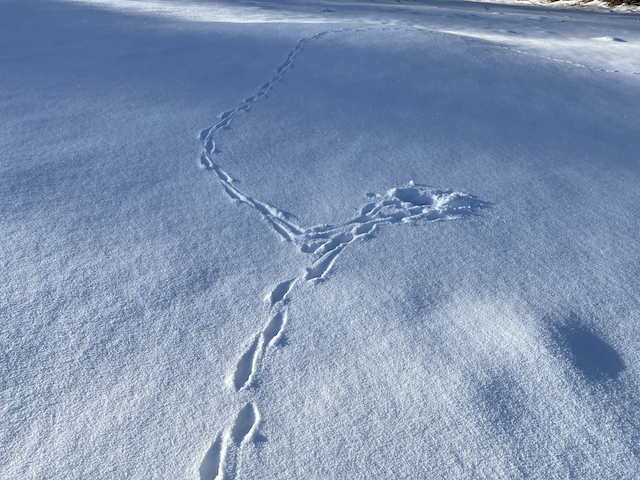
(318, 240)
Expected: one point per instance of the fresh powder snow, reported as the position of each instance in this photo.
(319, 239)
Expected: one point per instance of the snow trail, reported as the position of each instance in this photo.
(405, 205)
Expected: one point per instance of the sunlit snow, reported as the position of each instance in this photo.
(350, 240)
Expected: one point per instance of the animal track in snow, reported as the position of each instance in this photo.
(220, 461)
(245, 424)
(247, 363)
(280, 291)
(409, 204)
(273, 330)
(322, 266)
(399, 205)
(211, 464)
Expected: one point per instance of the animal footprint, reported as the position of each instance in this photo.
(212, 462)
(246, 365)
(279, 292)
(245, 424)
(273, 330)
(321, 267)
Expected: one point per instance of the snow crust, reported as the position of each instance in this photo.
(335, 240)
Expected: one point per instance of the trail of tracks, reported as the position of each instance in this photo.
(324, 243)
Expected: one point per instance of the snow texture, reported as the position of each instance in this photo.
(403, 243)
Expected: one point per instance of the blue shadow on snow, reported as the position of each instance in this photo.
(589, 353)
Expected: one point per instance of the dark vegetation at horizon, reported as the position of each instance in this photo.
(613, 3)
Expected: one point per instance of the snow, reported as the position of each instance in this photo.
(334, 240)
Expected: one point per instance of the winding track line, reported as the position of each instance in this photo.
(409, 204)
